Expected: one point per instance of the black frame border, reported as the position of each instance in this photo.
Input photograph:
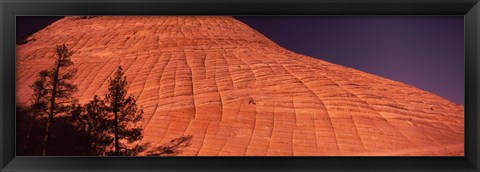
(470, 9)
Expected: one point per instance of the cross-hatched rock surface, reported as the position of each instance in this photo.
(238, 93)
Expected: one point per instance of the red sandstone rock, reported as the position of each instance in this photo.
(238, 93)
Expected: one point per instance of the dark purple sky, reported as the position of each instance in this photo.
(424, 51)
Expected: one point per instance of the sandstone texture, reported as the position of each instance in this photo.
(238, 93)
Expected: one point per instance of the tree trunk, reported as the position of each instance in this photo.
(117, 147)
(52, 106)
(45, 138)
(115, 112)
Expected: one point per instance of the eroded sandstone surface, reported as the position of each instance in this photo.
(238, 93)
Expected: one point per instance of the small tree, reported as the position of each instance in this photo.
(125, 112)
(38, 106)
(94, 123)
(171, 148)
(53, 90)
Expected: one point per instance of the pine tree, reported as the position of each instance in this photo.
(125, 113)
(172, 148)
(38, 106)
(94, 122)
(57, 89)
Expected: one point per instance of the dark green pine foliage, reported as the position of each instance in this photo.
(94, 123)
(125, 114)
(38, 106)
(53, 90)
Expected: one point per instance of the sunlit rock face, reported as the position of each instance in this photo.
(238, 93)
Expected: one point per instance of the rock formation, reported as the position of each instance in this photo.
(238, 93)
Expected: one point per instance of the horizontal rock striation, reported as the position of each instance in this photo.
(238, 93)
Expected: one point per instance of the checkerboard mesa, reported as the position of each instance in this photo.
(238, 93)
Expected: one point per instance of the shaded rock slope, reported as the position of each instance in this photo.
(238, 93)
